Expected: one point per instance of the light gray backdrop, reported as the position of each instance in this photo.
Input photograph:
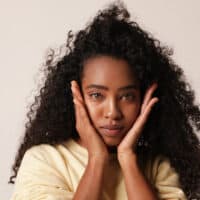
(29, 27)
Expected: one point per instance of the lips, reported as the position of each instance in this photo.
(111, 127)
(112, 130)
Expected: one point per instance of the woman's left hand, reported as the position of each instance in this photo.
(129, 142)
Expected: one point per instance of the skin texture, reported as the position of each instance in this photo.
(51, 117)
(117, 107)
(115, 100)
(112, 105)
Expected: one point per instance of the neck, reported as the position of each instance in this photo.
(111, 149)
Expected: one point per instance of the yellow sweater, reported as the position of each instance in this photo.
(53, 173)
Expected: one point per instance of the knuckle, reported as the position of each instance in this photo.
(78, 129)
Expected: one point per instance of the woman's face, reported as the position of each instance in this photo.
(112, 97)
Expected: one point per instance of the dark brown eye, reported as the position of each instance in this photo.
(96, 95)
(128, 96)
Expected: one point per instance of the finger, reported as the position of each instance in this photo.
(148, 108)
(81, 113)
(76, 90)
(76, 108)
(140, 122)
(77, 117)
(148, 95)
(142, 119)
(82, 117)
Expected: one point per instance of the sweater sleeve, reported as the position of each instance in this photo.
(40, 178)
(166, 180)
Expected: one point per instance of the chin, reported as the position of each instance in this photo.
(112, 141)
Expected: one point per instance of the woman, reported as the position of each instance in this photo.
(114, 120)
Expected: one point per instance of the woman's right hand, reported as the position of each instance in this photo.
(88, 135)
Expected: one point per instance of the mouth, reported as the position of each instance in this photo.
(112, 131)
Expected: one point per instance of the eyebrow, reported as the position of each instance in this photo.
(128, 87)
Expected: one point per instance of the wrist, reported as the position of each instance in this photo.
(98, 158)
(126, 157)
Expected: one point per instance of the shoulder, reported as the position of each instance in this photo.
(42, 159)
(42, 152)
(55, 156)
(160, 168)
(43, 174)
(165, 178)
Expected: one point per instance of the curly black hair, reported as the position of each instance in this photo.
(174, 121)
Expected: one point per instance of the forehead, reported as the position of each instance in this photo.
(107, 70)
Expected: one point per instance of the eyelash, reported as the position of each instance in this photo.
(92, 95)
(99, 95)
(129, 95)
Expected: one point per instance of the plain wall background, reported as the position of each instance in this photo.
(28, 28)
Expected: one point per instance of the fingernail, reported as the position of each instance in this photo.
(157, 100)
(71, 82)
(75, 101)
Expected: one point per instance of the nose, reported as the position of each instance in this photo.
(112, 110)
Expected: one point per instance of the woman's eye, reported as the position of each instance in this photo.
(128, 97)
(96, 95)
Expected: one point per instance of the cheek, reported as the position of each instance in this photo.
(131, 113)
(93, 111)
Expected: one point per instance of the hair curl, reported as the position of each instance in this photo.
(170, 130)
